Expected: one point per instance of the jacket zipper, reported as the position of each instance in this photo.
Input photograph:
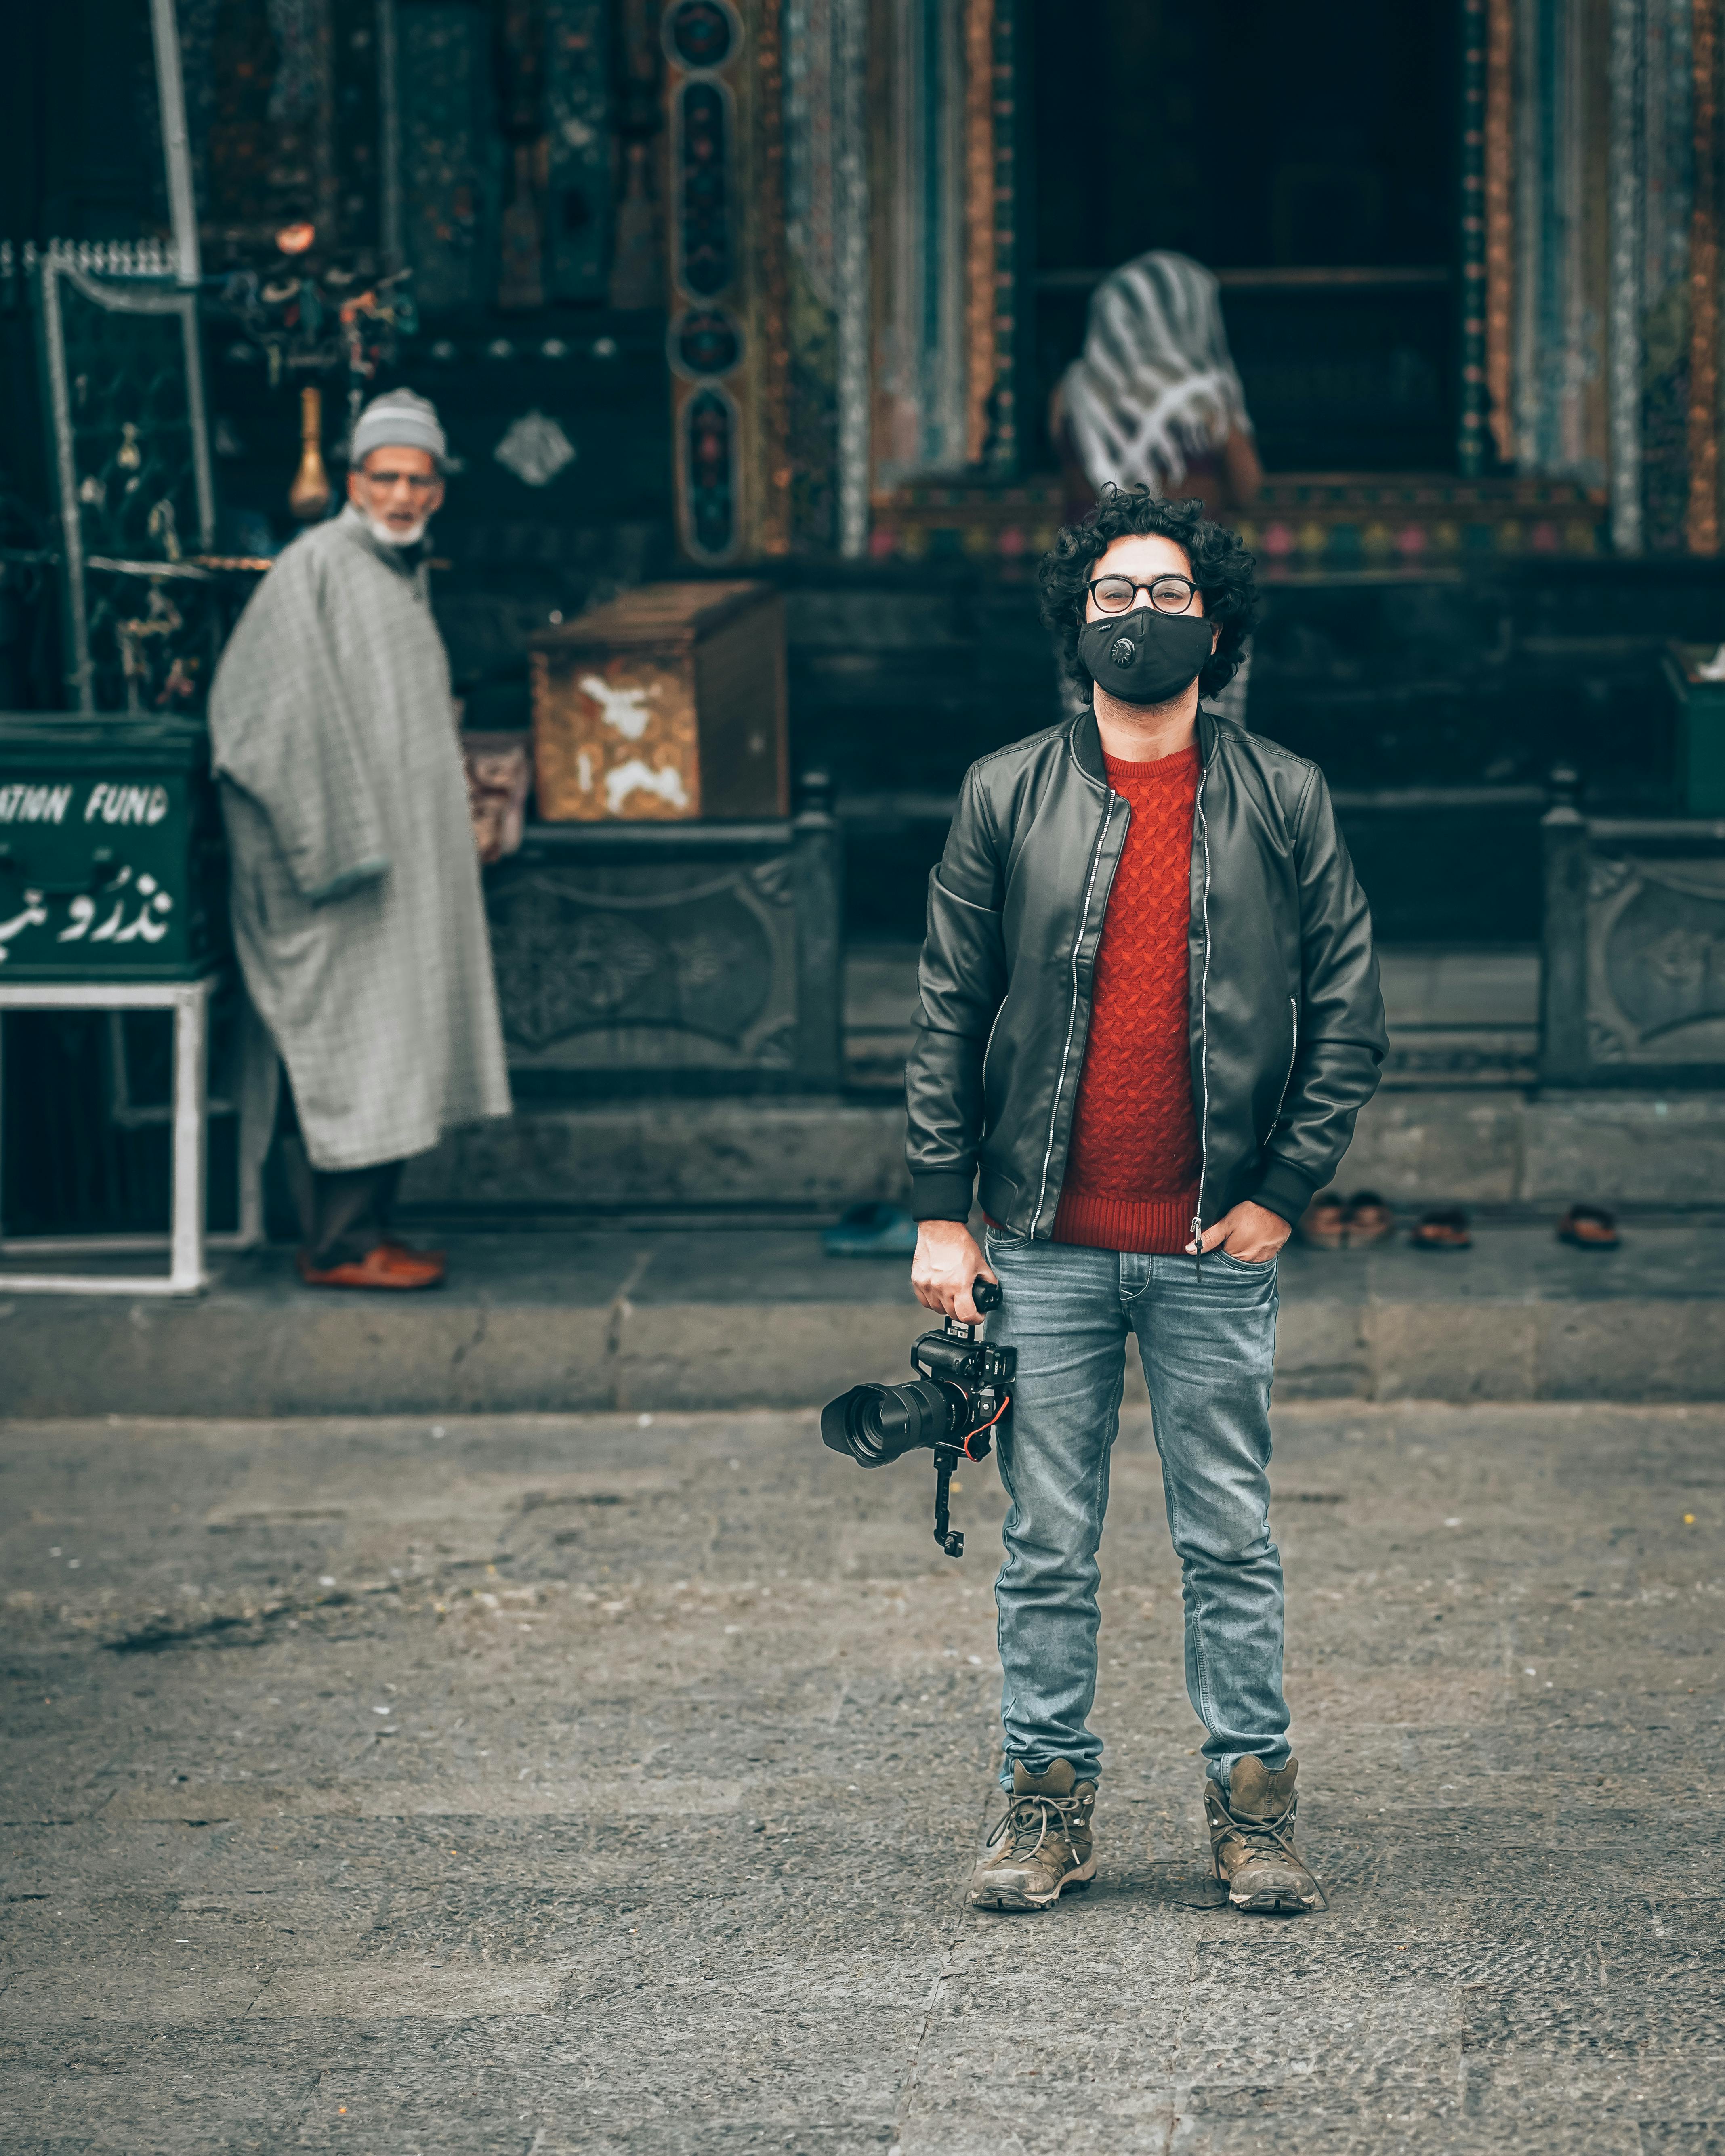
(1293, 1058)
(1054, 1113)
(1204, 1042)
(988, 1045)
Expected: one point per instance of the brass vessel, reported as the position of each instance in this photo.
(309, 496)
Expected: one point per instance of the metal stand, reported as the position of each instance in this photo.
(186, 1241)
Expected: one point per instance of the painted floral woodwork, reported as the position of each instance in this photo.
(727, 341)
(667, 704)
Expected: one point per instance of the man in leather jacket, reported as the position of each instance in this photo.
(1149, 1016)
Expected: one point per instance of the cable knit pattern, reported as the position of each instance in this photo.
(1132, 1168)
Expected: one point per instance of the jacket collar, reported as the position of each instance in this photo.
(1086, 741)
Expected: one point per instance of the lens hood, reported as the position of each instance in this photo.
(875, 1424)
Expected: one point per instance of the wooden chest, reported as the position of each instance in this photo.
(666, 705)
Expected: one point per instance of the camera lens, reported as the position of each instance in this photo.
(875, 1424)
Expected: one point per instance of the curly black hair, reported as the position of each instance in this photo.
(1221, 568)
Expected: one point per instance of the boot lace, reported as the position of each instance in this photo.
(1031, 1819)
(1266, 1837)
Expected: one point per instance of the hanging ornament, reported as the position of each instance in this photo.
(309, 496)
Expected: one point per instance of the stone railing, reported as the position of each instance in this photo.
(673, 957)
(1633, 979)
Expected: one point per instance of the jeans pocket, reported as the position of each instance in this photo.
(1256, 1267)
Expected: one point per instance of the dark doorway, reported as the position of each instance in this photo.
(1310, 160)
(80, 144)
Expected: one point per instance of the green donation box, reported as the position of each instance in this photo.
(111, 859)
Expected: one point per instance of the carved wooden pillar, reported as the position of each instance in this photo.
(1626, 178)
(725, 231)
(521, 230)
(1471, 446)
(1561, 250)
(1700, 525)
(1500, 223)
(990, 217)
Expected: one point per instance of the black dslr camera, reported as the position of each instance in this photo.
(959, 1398)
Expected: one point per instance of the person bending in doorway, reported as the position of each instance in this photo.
(1154, 399)
(1149, 1016)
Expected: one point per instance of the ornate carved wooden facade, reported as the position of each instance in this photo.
(1587, 251)
(826, 196)
(1598, 202)
(865, 339)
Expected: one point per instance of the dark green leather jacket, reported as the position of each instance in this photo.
(1286, 1019)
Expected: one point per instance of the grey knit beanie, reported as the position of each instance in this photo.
(398, 419)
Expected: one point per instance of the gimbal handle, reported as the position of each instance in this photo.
(986, 1295)
(945, 1460)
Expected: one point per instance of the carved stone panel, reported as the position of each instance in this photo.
(1657, 961)
(659, 966)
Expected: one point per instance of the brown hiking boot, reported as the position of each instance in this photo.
(1252, 1840)
(1041, 1844)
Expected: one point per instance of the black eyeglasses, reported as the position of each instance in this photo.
(1168, 594)
(416, 482)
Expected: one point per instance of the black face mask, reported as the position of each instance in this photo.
(1146, 657)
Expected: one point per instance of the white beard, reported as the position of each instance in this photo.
(387, 535)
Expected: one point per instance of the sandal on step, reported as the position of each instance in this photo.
(1444, 1229)
(1369, 1220)
(1324, 1222)
(1588, 1228)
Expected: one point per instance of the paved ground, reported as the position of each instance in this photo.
(544, 1784)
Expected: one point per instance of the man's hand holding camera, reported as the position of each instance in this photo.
(945, 1269)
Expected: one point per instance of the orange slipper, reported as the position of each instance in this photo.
(420, 1257)
(1325, 1221)
(1369, 1220)
(388, 1266)
(1445, 1230)
(1588, 1228)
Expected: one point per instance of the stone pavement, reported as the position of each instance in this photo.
(656, 1319)
(609, 1785)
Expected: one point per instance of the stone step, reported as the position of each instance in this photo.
(663, 1321)
(1457, 1016)
(1486, 1145)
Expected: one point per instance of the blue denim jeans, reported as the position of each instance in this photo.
(1207, 1340)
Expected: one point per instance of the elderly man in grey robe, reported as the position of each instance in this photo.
(357, 911)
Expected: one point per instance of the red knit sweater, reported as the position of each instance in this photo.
(1132, 1168)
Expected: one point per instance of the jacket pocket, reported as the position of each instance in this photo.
(996, 1194)
(988, 1045)
(1281, 1098)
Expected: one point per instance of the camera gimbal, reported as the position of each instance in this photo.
(958, 1399)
